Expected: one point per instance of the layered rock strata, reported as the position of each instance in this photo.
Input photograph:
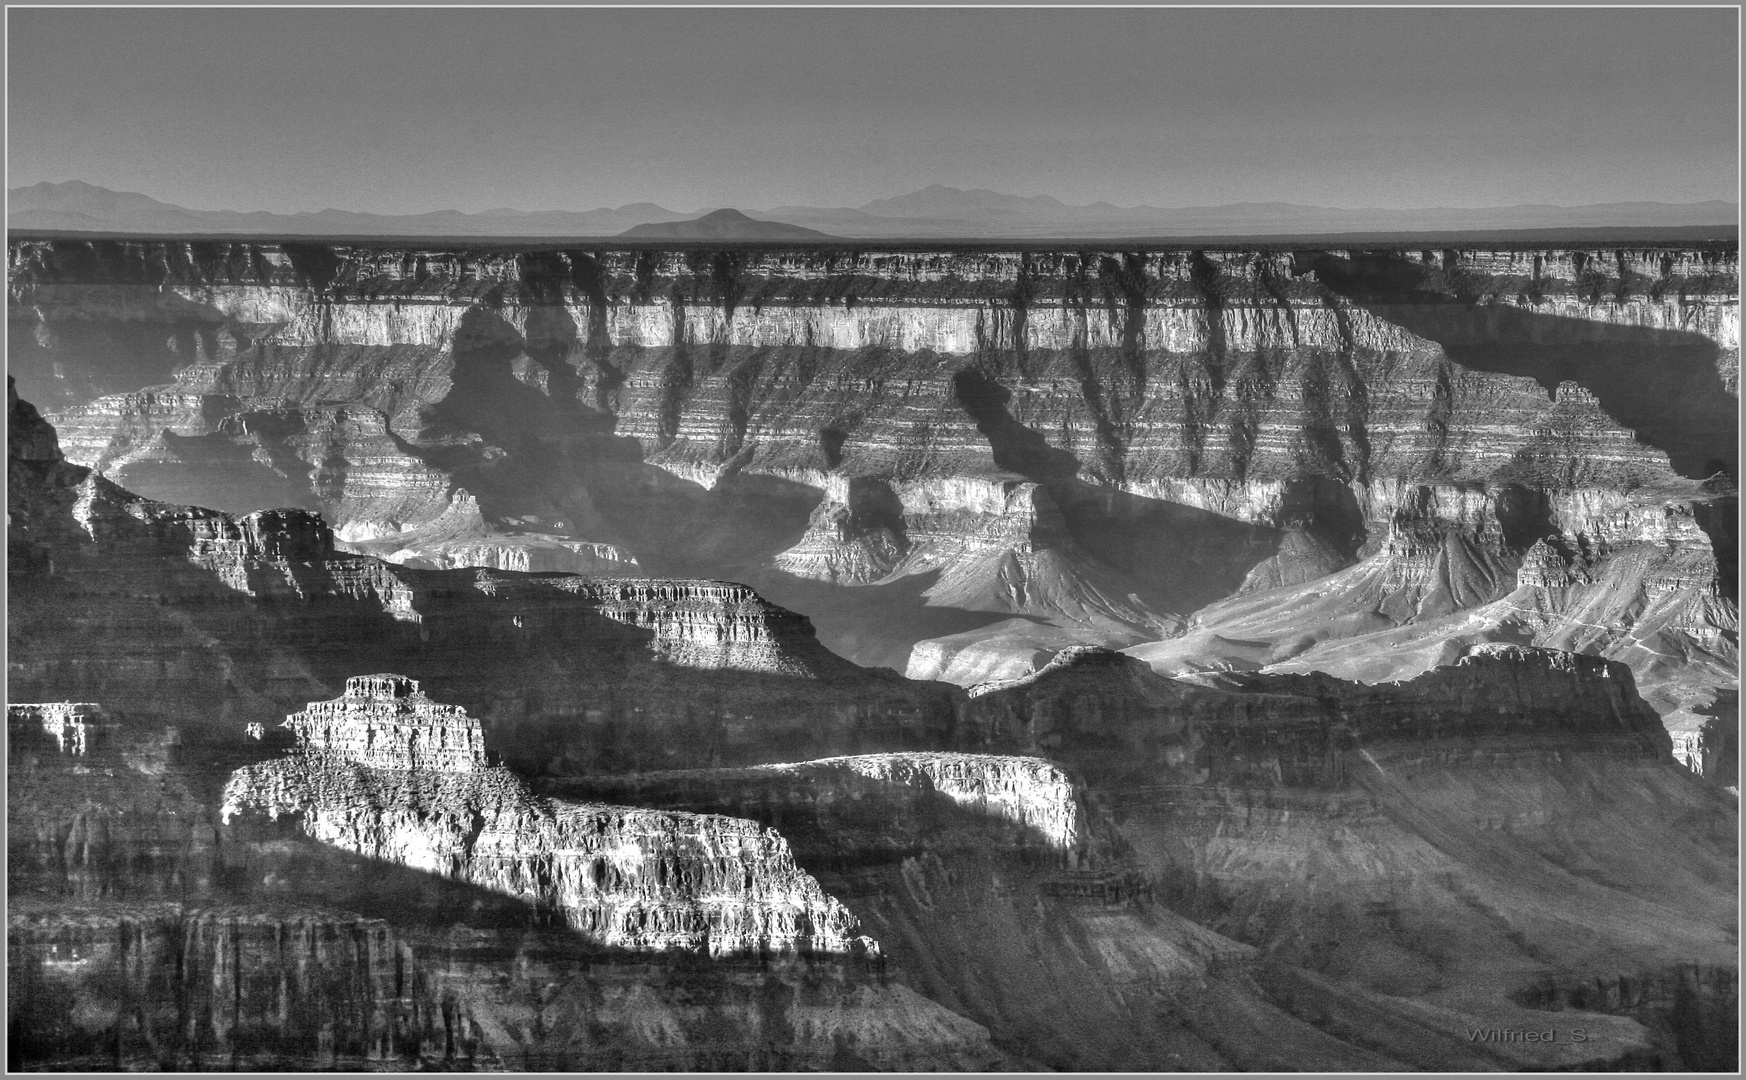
(1475, 801)
(522, 553)
(1031, 310)
(1638, 581)
(387, 773)
(711, 624)
(251, 989)
(1107, 713)
(879, 806)
(1207, 422)
(996, 544)
(265, 607)
(1412, 855)
(1031, 793)
(146, 931)
(1652, 597)
(384, 721)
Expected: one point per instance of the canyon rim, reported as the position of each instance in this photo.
(952, 632)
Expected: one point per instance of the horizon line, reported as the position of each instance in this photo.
(969, 191)
(1641, 235)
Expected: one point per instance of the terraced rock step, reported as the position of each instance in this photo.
(384, 722)
(879, 808)
(387, 773)
(1026, 791)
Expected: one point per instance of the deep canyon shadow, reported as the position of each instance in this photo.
(1664, 384)
(1182, 556)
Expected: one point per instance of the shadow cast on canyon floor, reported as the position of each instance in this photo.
(1182, 557)
(874, 625)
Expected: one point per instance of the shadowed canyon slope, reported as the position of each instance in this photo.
(281, 805)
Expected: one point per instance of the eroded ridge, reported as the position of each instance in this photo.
(368, 776)
(710, 624)
(1027, 791)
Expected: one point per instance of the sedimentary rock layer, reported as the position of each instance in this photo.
(1519, 803)
(1206, 422)
(622, 877)
(386, 772)
(240, 988)
(1239, 368)
(1641, 585)
(1028, 792)
(384, 722)
(626, 323)
(1108, 714)
(879, 806)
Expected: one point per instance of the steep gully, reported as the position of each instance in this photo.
(1094, 866)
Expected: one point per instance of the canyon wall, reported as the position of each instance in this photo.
(881, 806)
(386, 772)
(211, 606)
(150, 928)
(1185, 425)
(1425, 540)
(959, 463)
(1022, 906)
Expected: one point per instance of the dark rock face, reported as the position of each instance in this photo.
(1391, 832)
(28, 436)
(1109, 714)
(649, 819)
(267, 598)
(248, 990)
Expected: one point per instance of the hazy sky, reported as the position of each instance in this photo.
(399, 111)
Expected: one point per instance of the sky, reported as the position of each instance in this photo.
(407, 111)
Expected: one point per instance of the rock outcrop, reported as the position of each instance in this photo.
(28, 436)
(1028, 792)
(73, 725)
(244, 944)
(880, 806)
(712, 625)
(387, 773)
(385, 722)
(523, 553)
(995, 544)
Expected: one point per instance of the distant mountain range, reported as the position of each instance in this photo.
(935, 212)
(724, 225)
